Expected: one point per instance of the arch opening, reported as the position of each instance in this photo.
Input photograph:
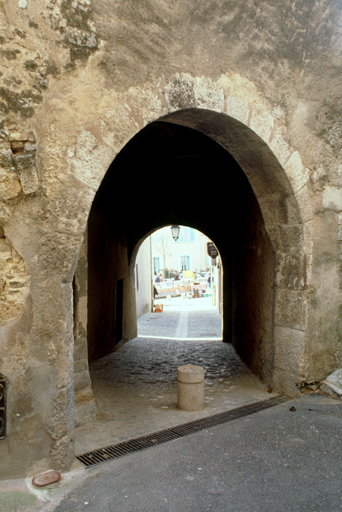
(208, 171)
(171, 275)
(190, 169)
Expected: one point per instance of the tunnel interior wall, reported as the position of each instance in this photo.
(111, 308)
(253, 268)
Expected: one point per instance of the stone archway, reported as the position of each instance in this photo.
(271, 337)
(56, 224)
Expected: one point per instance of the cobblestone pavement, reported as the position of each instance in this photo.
(135, 388)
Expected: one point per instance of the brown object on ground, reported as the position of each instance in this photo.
(50, 477)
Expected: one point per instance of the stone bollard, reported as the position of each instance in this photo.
(190, 388)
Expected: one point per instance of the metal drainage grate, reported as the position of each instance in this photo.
(163, 436)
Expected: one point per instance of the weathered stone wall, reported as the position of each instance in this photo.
(78, 81)
(253, 290)
(85, 409)
(109, 326)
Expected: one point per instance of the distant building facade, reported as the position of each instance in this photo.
(143, 279)
(159, 253)
(189, 252)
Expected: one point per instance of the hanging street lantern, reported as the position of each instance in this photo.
(175, 232)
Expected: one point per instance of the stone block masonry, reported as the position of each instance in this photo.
(94, 93)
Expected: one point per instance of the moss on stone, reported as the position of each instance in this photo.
(33, 24)
(30, 65)
(21, 103)
(10, 54)
(76, 16)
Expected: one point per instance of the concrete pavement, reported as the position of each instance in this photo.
(277, 460)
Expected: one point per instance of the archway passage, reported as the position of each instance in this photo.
(170, 173)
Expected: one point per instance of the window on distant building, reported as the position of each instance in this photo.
(186, 234)
(184, 262)
(156, 264)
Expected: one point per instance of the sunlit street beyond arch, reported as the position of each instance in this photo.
(181, 317)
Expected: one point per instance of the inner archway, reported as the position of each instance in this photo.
(176, 275)
(184, 167)
(181, 267)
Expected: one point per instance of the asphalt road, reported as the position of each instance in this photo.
(277, 460)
